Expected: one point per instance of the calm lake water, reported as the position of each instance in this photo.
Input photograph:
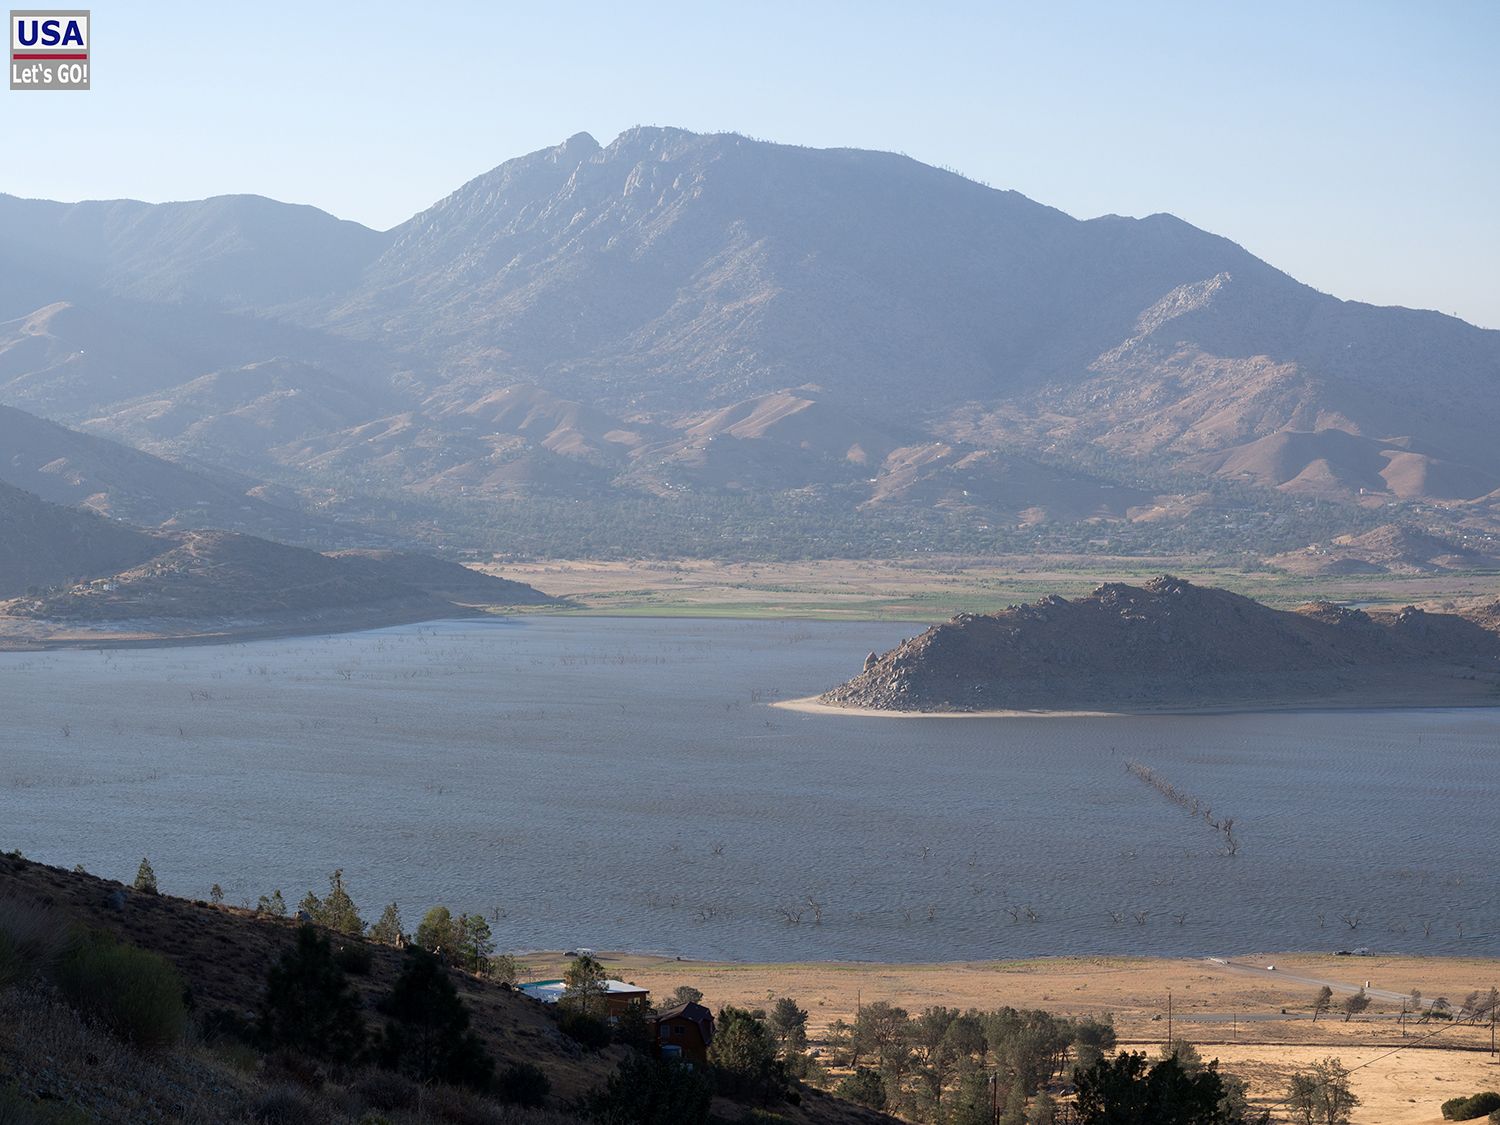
(621, 783)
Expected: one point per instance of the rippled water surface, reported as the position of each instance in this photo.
(622, 784)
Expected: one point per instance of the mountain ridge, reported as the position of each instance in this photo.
(667, 276)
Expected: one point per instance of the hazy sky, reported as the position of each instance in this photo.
(1355, 145)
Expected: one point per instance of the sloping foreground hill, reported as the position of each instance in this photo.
(223, 955)
(1170, 644)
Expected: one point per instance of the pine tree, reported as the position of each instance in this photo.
(476, 945)
(428, 1035)
(216, 894)
(272, 904)
(1014, 1112)
(337, 911)
(388, 930)
(788, 1023)
(1043, 1110)
(437, 933)
(145, 878)
(308, 1006)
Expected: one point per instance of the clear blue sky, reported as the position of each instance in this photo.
(1355, 145)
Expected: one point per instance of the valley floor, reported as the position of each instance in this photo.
(919, 590)
(932, 588)
(1256, 1020)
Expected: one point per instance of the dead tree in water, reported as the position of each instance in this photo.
(1190, 804)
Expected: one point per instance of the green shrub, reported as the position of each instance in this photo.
(136, 994)
(354, 958)
(864, 1087)
(587, 1031)
(523, 1084)
(1475, 1105)
(31, 938)
(650, 1092)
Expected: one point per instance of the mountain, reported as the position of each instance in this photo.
(835, 338)
(42, 544)
(237, 251)
(83, 470)
(1171, 644)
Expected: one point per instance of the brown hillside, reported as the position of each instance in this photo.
(216, 574)
(1172, 644)
(42, 544)
(1388, 549)
(224, 953)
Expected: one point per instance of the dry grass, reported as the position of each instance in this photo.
(935, 588)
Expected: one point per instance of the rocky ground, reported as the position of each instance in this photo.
(1171, 644)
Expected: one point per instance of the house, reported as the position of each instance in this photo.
(684, 1033)
(618, 995)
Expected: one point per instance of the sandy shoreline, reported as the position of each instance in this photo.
(33, 636)
(1381, 701)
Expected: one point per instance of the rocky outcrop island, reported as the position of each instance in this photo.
(1171, 645)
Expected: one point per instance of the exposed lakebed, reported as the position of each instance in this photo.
(623, 783)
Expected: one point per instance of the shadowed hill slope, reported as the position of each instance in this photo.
(42, 543)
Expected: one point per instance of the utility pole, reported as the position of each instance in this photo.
(1169, 1019)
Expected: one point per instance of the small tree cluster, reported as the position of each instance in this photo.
(335, 912)
(465, 942)
(1321, 1096)
(937, 1065)
(744, 1057)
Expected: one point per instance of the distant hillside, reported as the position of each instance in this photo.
(1390, 549)
(42, 544)
(1172, 644)
(234, 250)
(78, 469)
(61, 568)
(218, 575)
(675, 331)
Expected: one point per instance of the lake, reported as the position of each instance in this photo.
(622, 783)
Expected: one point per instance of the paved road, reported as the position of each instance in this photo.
(1337, 985)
